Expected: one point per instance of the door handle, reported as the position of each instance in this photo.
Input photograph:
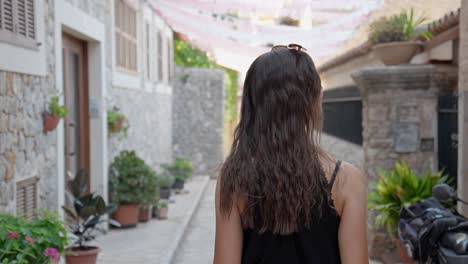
(72, 125)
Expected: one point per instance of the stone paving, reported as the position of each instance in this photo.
(155, 241)
(197, 246)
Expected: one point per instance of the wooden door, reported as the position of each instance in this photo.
(75, 82)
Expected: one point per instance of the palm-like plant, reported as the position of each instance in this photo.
(401, 27)
(400, 188)
(89, 209)
(412, 24)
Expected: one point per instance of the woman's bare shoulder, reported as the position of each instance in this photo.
(351, 180)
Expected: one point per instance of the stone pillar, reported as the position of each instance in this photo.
(198, 118)
(400, 119)
(463, 108)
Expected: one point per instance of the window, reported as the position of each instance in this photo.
(169, 61)
(18, 23)
(125, 37)
(26, 198)
(160, 57)
(148, 54)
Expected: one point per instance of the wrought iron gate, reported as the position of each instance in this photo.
(448, 134)
(342, 113)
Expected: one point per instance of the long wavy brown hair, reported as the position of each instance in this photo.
(274, 165)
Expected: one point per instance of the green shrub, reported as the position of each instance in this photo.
(23, 241)
(400, 188)
(166, 180)
(55, 109)
(181, 169)
(132, 181)
(401, 27)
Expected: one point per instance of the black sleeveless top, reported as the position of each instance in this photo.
(317, 244)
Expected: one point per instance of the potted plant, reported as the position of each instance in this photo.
(163, 210)
(150, 193)
(181, 169)
(84, 220)
(53, 115)
(393, 37)
(396, 189)
(117, 122)
(128, 183)
(42, 240)
(166, 181)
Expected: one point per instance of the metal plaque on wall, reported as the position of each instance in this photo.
(406, 136)
(94, 107)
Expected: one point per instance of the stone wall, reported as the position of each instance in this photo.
(25, 151)
(148, 106)
(400, 121)
(198, 117)
(149, 115)
(400, 114)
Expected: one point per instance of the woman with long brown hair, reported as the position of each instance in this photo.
(280, 198)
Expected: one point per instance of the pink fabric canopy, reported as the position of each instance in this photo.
(235, 41)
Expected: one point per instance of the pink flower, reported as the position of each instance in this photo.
(53, 254)
(30, 239)
(12, 235)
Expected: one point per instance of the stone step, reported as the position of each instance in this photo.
(157, 240)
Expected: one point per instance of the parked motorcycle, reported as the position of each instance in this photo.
(432, 231)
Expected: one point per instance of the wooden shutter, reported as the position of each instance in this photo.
(160, 57)
(148, 53)
(18, 22)
(26, 198)
(169, 65)
(6, 15)
(125, 36)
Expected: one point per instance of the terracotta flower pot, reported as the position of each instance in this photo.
(50, 121)
(163, 212)
(402, 253)
(77, 255)
(394, 53)
(115, 128)
(178, 184)
(145, 213)
(127, 215)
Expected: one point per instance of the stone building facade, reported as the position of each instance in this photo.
(30, 76)
(198, 118)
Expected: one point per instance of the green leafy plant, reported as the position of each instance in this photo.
(132, 181)
(163, 204)
(117, 122)
(42, 240)
(56, 109)
(166, 180)
(400, 188)
(401, 27)
(88, 212)
(181, 169)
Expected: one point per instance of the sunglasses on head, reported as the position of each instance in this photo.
(290, 46)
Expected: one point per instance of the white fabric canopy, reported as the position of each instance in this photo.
(236, 41)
